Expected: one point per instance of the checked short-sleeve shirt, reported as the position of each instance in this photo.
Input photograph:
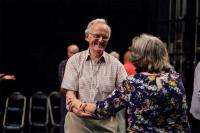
(92, 81)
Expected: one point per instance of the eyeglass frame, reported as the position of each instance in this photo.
(97, 36)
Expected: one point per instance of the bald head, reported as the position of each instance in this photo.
(115, 54)
(72, 49)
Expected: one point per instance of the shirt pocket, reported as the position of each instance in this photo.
(107, 84)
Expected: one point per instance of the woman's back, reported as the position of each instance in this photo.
(157, 103)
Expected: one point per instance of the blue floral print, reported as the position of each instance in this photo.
(154, 103)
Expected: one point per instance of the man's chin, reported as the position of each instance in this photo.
(100, 51)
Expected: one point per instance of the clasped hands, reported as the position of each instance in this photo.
(81, 109)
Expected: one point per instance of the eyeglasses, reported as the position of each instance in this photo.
(98, 36)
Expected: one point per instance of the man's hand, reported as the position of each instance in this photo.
(78, 108)
(70, 95)
(73, 102)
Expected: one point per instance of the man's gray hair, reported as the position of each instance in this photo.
(98, 20)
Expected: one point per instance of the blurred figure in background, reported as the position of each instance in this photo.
(7, 77)
(71, 50)
(115, 54)
(128, 65)
(195, 103)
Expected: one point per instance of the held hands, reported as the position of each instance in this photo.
(79, 108)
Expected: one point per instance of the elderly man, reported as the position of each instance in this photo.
(92, 75)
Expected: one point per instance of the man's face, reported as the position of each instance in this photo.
(72, 50)
(98, 37)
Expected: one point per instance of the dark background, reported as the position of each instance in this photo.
(34, 34)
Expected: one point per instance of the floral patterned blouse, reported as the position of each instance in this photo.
(154, 103)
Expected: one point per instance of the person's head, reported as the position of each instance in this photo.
(149, 54)
(97, 34)
(115, 54)
(127, 56)
(72, 49)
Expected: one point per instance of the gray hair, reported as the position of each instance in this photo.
(98, 20)
(149, 54)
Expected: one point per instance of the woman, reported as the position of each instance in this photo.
(154, 98)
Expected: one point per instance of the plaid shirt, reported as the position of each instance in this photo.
(93, 81)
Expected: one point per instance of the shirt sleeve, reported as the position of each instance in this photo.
(114, 103)
(70, 79)
(121, 75)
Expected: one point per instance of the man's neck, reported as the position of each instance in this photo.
(95, 56)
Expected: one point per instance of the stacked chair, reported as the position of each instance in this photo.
(14, 114)
(41, 107)
(38, 109)
(54, 99)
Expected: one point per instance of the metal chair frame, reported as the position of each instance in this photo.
(52, 107)
(14, 96)
(39, 96)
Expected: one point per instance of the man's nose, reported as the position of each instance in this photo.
(100, 38)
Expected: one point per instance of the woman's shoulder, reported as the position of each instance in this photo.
(137, 78)
(174, 75)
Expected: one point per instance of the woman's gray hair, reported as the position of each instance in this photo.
(98, 20)
(149, 54)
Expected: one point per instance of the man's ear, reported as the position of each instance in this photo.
(86, 36)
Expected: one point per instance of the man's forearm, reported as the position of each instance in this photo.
(70, 95)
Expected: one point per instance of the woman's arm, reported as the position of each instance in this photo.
(102, 109)
(119, 99)
(110, 106)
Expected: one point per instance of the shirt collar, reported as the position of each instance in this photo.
(103, 58)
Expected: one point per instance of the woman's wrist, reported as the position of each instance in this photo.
(91, 107)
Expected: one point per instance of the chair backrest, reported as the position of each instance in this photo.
(38, 109)
(15, 108)
(54, 102)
